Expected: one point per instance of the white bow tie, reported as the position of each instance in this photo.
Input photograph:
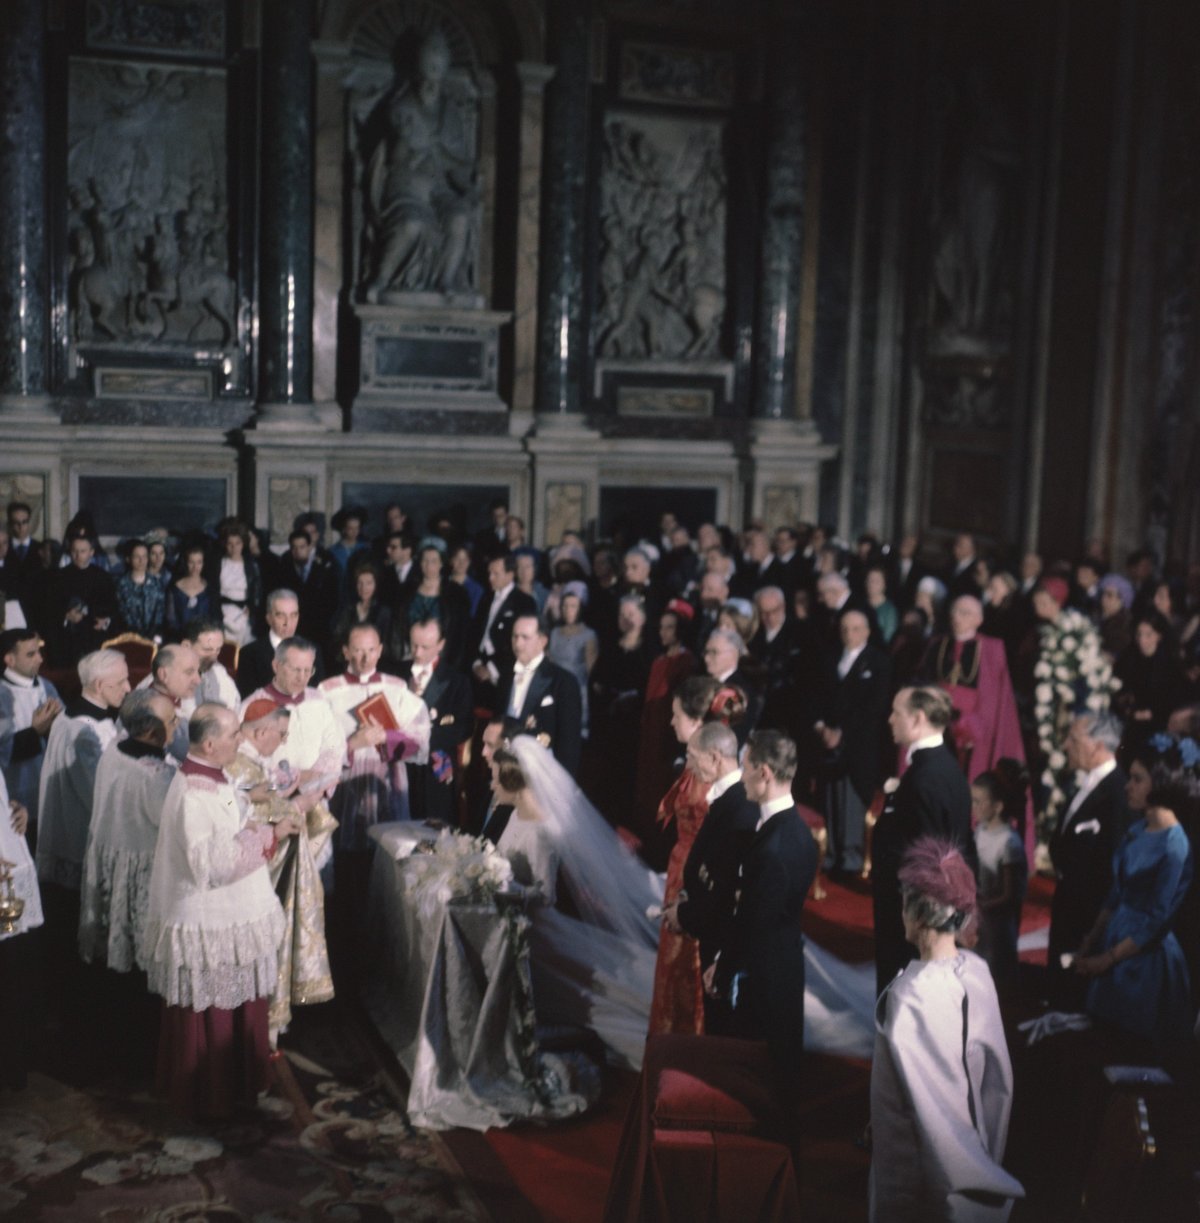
(522, 669)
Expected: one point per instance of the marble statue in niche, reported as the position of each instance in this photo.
(147, 222)
(661, 275)
(975, 218)
(421, 201)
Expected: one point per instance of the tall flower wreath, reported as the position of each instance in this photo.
(1072, 676)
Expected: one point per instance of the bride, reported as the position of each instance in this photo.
(594, 968)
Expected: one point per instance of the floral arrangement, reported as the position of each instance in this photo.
(457, 867)
(1071, 676)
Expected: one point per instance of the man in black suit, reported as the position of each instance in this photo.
(785, 650)
(314, 580)
(1083, 845)
(960, 576)
(492, 637)
(256, 662)
(787, 569)
(858, 688)
(540, 697)
(723, 661)
(706, 902)
(448, 696)
(760, 967)
(492, 541)
(489, 816)
(20, 566)
(906, 573)
(83, 610)
(932, 800)
(398, 574)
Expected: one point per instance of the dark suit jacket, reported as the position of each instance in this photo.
(765, 941)
(903, 591)
(1082, 852)
(517, 604)
(933, 799)
(392, 591)
(711, 871)
(787, 576)
(449, 696)
(553, 707)
(254, 668)
(857, 706)
(318, 597)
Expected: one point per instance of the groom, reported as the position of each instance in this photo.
(541, 698)
(760, 967)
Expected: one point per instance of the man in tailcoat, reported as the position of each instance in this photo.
(492, 637)
(760, 968)
(540, 697)
(932, 800)
(448, 697)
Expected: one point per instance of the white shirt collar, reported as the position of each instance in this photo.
(848, 659)
(1095, 776)
(771, 633)
(521, 670)
(773, 807)
(964, 639)
(274, 638)
(722, 784)
(787, 557)
(18, 681)
(724, 678)
(843, 600)
(503, 594)
(935, 740)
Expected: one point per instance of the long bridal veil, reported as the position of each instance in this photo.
(608, 885)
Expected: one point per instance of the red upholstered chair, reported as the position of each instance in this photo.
(705, 1139)
(139, 654)
(228, 657)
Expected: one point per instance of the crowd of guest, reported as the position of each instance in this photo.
(706, 689)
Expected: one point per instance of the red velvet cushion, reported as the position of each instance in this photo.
(814, 819)
(728, 1098)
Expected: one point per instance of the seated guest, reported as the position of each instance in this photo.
(540, 698)
(256, 662)
(140, 598)
(238, 582)
(365, 606)
(448, 697)
(213, 929)
(759, 966)
(189, 597)
(1137, 973)
(82, 609)
(28, 707)
(19, 958)
(216, 686)
(77, 740)
(132, 780)
(304, 974)
(941, 1079)
(175, 674)
(1084, 845)
(374, 780)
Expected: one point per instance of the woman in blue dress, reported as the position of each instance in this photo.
(1138, 969)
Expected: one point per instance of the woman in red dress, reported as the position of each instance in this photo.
(678, 1005)
(656, 750)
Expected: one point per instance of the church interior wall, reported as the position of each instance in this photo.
(985, 217)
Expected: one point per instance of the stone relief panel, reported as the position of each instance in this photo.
(676, 76)
(166, 27)
(148, 224)
(661, 274)
(565, 506)
(783, 506)
(287, 497)
(414, 134)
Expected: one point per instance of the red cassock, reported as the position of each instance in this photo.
(986, 729)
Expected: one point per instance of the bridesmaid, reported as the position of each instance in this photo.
(678, 1003)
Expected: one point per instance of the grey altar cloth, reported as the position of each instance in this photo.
(445, 994)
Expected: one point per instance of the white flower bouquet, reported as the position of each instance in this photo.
(457, 867)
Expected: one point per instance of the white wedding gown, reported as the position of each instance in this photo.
(597, 970)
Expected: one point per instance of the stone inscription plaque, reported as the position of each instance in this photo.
(429, 359)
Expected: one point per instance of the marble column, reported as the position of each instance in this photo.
(782, 228)
(24, 265)
(562, 344)
(286, 212)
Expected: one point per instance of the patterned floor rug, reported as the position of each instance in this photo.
(327, 1142)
